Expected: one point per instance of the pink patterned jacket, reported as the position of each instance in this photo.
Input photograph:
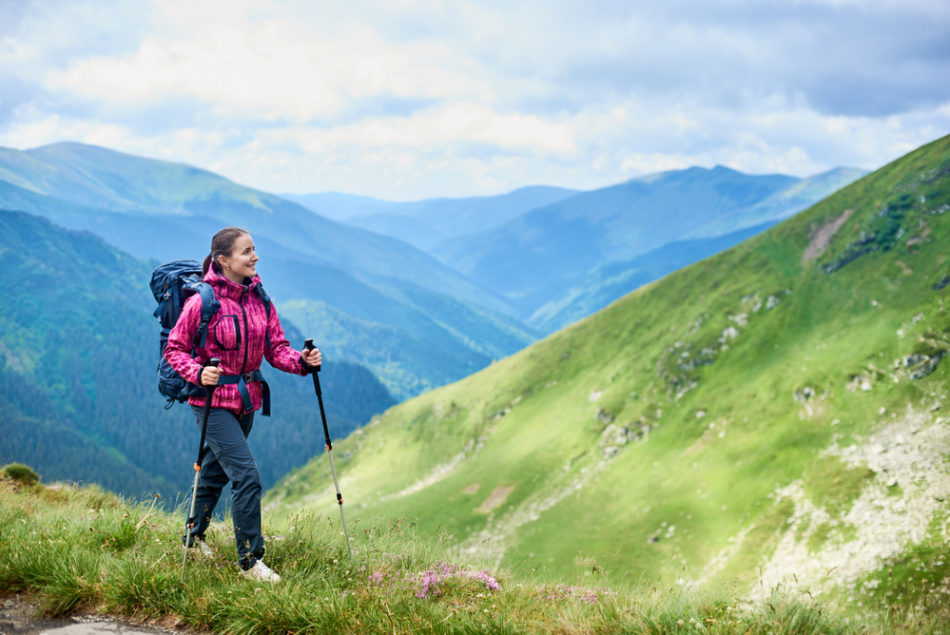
(237, 335)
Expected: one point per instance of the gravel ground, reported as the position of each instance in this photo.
(19, 615)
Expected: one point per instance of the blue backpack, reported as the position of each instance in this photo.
(172, 284)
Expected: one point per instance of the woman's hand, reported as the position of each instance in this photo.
(209, 375)
(313, 357)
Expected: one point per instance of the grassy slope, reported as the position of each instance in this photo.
(85, 551)
(719, 435)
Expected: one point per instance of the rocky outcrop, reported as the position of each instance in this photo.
(911, 453)
(615, 437)
(852, 252)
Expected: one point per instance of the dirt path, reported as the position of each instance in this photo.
(19, 615)
(822, 238)
(496, 498)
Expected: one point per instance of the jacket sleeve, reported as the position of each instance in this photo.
(280, 354)
(178, 349)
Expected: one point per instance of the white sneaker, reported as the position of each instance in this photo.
(202, 548)
(261, 572)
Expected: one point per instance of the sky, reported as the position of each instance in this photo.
(412, 99)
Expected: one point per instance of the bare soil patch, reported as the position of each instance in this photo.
(496, 498)
(822, 238)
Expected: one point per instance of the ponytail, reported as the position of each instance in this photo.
(206, 265)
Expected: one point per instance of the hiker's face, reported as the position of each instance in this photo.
(242, 261)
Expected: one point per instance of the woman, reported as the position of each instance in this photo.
(242, 332)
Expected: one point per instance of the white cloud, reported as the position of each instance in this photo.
(413, 98)
(434, 130)
(278, 68)
(41, 129)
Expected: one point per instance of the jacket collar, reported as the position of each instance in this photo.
(226, 288)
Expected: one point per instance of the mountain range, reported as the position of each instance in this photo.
(533, 259)
(513, 266)
(162, 211)
(545, 249)
(429, 222)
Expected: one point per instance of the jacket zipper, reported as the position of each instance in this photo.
(246, 335)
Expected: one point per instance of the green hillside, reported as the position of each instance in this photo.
(773, 415)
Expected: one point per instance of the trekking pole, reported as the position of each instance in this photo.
(201, 455)
(329, 444)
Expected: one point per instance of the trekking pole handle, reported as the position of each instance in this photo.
(214, 361)
(309, 346)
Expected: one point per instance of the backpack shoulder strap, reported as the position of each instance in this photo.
(209, 306)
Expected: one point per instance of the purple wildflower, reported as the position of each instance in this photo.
(433, 581)
(485, 578)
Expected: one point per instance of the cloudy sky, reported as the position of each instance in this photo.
(407, 99)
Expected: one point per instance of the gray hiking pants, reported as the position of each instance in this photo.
(229, 459)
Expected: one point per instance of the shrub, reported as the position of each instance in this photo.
(22, 474)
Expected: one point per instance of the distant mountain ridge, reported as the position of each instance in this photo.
(103, 179)
(782, 204)
(532, 259)
(607, 283)
(540, 247)
(429, 222)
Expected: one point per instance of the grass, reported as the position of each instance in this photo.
(833, 484)
(82, 550)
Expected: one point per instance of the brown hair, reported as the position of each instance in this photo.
(222, 245)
